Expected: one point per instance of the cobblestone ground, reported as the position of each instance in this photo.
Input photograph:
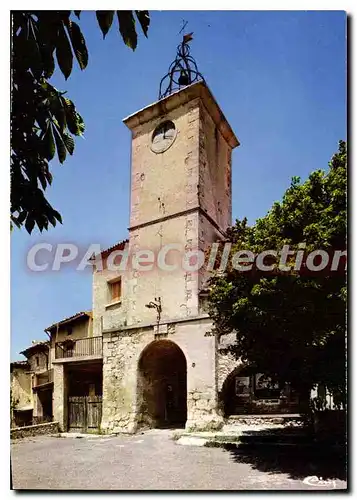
(153, 461)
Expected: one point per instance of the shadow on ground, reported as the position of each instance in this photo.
(297, 455)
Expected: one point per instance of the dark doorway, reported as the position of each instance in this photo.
(22, 418)
(45, 400)
(247, 392)
(236, 392)
(162, 386)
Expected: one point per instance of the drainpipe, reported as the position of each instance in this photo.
(49, 350)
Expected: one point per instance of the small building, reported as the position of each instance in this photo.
(77, 366)
(32, 385)
(21, 403)
(38, 358)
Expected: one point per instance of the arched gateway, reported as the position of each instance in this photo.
(162, 385)
(245, 391)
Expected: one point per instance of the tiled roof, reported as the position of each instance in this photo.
(36, 345)
(70, 319)
(118, 246)
(23, 363)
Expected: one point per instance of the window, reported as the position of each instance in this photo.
(37, 359)
(242, 386)
(115, 290)
(265, 388)
(69, 330)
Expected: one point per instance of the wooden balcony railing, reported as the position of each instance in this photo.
(43, 378)
(90, 346)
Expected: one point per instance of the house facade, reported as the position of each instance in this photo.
(21, 404)
(77, 373)
(32, 386)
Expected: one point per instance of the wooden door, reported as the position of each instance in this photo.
(84, 413)
(94, 413)
(77, 414)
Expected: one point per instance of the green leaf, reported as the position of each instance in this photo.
(105, 20)
(52, 219)
(127, 28)
(22, 217)
(57, 215)
(74, 120)
(49, 63)
(78, 44)
(77, 13)
(42, 179)
(61, 148)
(80, 124)
(48, 175)
(69, 143)
(40, 224)
(64, 53)
(49, 143)
(144, 20)
(60, 115)
(29, 224)
(32, 49)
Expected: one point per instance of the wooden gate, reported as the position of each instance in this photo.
(84, 413)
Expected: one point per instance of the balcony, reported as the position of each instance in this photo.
(80, 348)
(43, 378)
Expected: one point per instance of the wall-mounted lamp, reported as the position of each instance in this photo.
(156, 304)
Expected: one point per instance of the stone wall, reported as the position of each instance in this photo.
(34, 430)
(256, 420)
(107, 313)
(38, 361)
(226, 363)
(122, 351)
(21, 388)
(165, 183)
(120, 358)
(60, 395)
(214, 171)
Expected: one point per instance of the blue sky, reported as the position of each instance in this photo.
(280, 79)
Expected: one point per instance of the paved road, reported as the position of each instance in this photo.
(153, 461)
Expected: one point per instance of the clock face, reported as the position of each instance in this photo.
(163, 137)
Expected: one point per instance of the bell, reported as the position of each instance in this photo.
(183, 79)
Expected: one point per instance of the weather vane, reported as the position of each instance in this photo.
(184, 24)
(183, 70)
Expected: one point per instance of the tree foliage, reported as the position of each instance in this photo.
(44, 121)
(291, 325)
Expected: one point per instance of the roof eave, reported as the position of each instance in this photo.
(198, 89)
(71, 319)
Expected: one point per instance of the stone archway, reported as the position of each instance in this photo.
(245, 391)
(162, 385)
(236, 390)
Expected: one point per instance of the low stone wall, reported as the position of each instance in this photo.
(266, 420)
(34, 430)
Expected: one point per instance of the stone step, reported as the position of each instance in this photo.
(245, 441)
(267, 419)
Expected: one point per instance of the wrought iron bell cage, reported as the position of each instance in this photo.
(182, 72)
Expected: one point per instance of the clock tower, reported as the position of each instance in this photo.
(180, 204)
(180, 196)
